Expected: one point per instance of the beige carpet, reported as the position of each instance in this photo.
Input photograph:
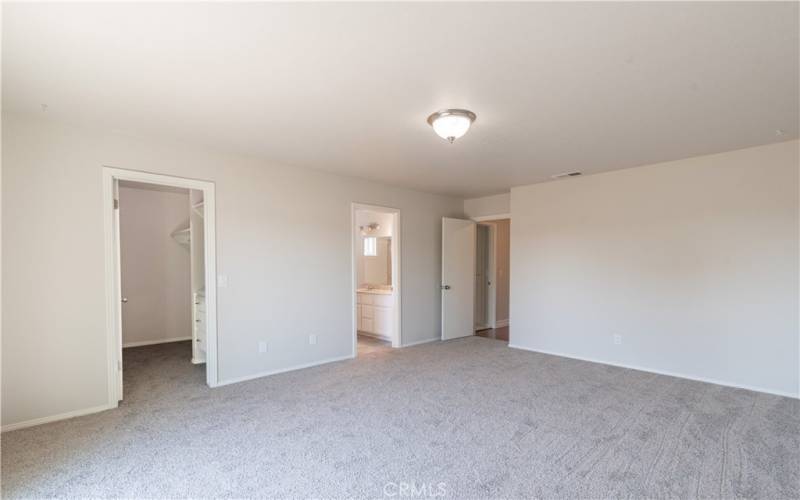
(470, 418)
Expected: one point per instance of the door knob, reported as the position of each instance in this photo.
(445, 287)
(124, 299)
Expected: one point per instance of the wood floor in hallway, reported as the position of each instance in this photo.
(495, 333)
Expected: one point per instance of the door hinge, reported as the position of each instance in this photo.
(119, 365)
(116, 204)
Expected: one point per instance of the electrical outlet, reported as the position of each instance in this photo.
(262, 347)
(312, 339)
(222, 281)
(617, 339)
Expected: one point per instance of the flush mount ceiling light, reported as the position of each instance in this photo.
(451, 124)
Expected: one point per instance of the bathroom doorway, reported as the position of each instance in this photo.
(376, 279)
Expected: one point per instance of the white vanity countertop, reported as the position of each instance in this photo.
(374, 291)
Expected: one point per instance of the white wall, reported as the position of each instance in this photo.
(283, 240)
(499, 204)
(155, 269)
(693, 262)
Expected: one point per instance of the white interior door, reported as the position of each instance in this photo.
(458, 278)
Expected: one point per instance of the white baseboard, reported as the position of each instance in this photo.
(153, 342)
(500, 323)
(418, 342)
(282, 370)
(54, 418)
(662, 372)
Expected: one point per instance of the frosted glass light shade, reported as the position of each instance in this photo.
(451, 124)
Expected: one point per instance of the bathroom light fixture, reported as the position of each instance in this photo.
(451, 124)
(370, 228)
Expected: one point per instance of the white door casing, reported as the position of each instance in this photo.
(458, 277)
(118, 285)
(363, 314)
(111, 176)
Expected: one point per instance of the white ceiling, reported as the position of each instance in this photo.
(347, 87)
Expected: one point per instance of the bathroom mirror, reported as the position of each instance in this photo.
(375, 262)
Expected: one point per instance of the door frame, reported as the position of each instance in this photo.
(113, 276)
(397, 338)
(491, 219)
(491, 291)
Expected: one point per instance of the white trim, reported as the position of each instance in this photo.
(283, 370)
(111, 291)
(112, 267)
(153, 342)
(486, 218)
(426, 341)
(500, 323)
(397, 336)
(662, 372)
(54, 418)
